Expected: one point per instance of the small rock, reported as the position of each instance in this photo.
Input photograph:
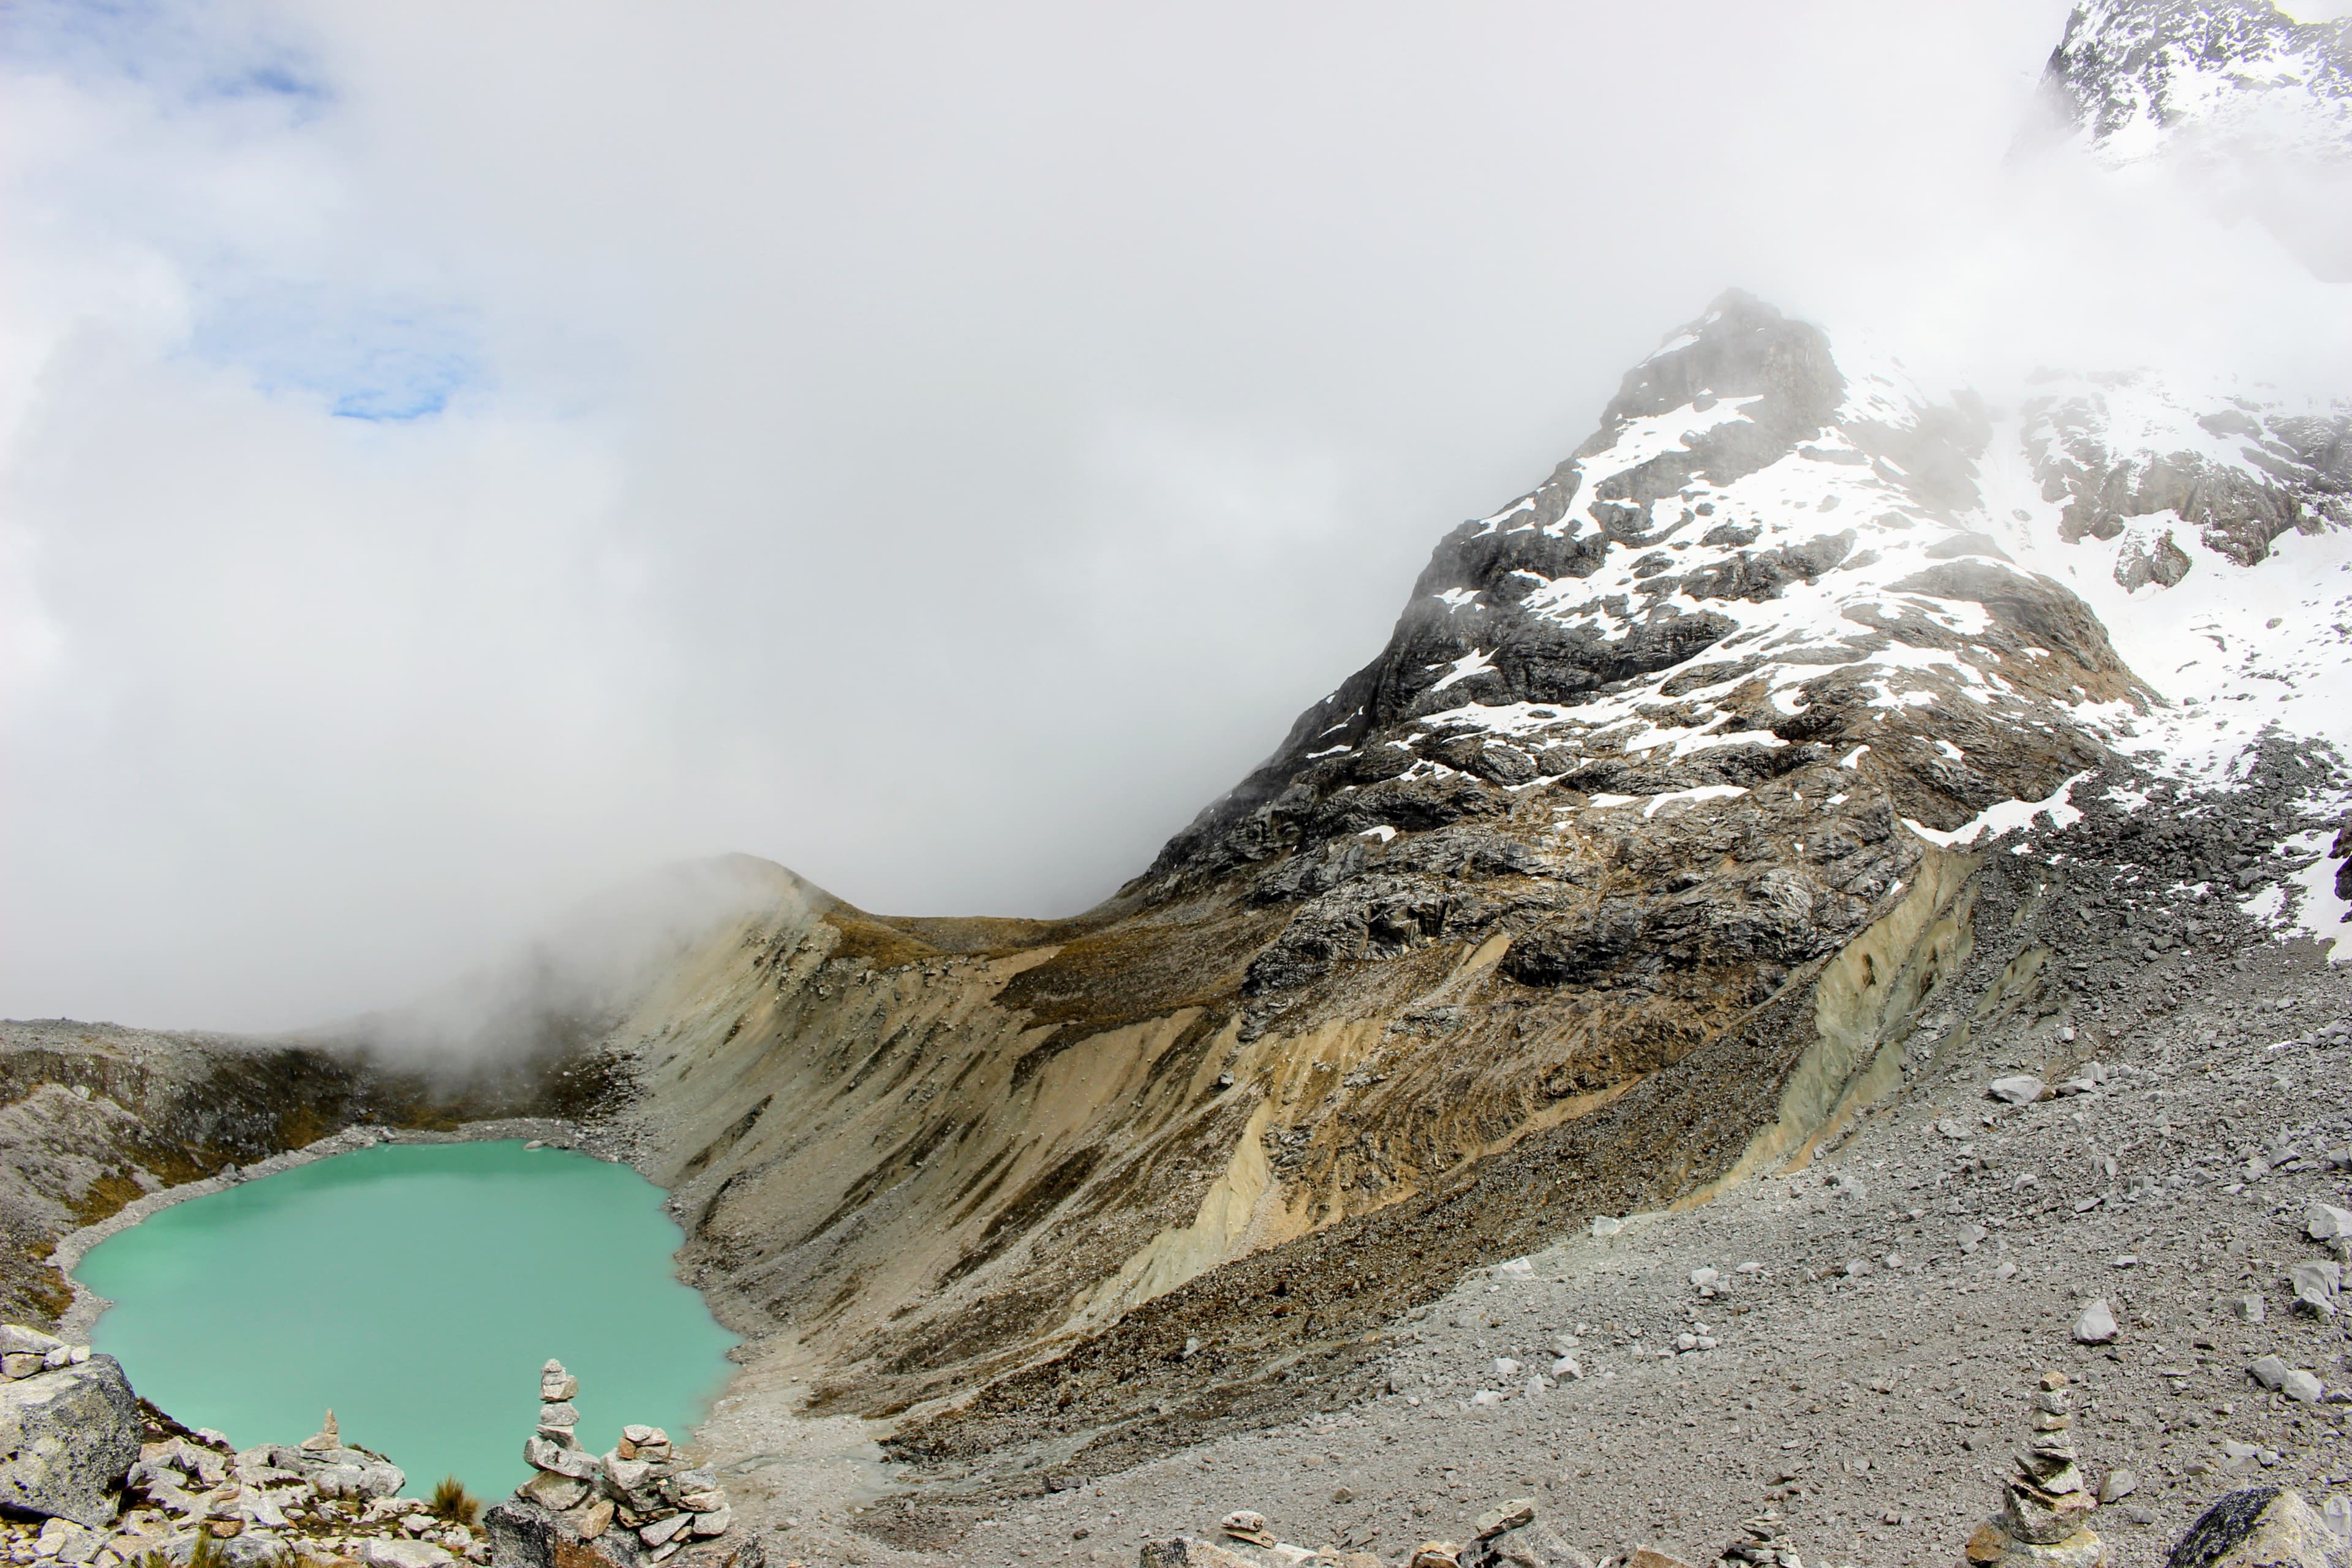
(1437, 1554)
(1704, 1279)
(564, 1458)
(384, 1552)
(2269, 1372)
(2249, 1309)
(2096, 1326)
(1649, 1557)
(1567, 1367)
(1505, 1369)
(2119, 1484)
(552, 1491)
(2325, 1222)
(1247, 1524)
(661, 1529)
(2021, 1089)
(1504, 1516)
(2316, 1285)
(1602, 1226)
(2303, 1387)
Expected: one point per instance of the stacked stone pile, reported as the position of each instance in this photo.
(90, 1479)
(2045, 1518)
(638, 1503)
(1763, 1543)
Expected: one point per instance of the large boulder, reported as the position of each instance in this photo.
(2262, 1527)
(67, 1438)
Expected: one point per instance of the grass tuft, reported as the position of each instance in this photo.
(453, 1504)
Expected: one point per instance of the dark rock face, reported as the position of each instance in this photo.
(68, 1438)
(2289, 471)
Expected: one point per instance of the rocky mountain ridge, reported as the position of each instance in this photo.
(2134, 75)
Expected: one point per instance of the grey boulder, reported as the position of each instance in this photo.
(1536, 1545)
(355, 1473)
(2316, 1286)
(67, 1438)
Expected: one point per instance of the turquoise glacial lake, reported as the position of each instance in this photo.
(416, 1289)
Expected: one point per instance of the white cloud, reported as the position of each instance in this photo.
(938, 448)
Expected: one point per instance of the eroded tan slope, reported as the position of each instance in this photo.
(914, 1182)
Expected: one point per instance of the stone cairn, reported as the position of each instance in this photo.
(1765, 1544)
(2045, 1509)
(641, 1485)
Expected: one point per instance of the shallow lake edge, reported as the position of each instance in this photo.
(74, 1325)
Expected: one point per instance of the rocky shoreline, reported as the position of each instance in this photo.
(93, 1477)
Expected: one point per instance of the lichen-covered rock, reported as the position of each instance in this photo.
(2263, 1527)
(68, 1438)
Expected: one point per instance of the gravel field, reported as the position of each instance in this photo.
(1875, 1323)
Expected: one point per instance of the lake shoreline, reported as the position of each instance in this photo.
(74, 1325)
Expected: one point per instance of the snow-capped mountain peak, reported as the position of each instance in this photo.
(2135, 75)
